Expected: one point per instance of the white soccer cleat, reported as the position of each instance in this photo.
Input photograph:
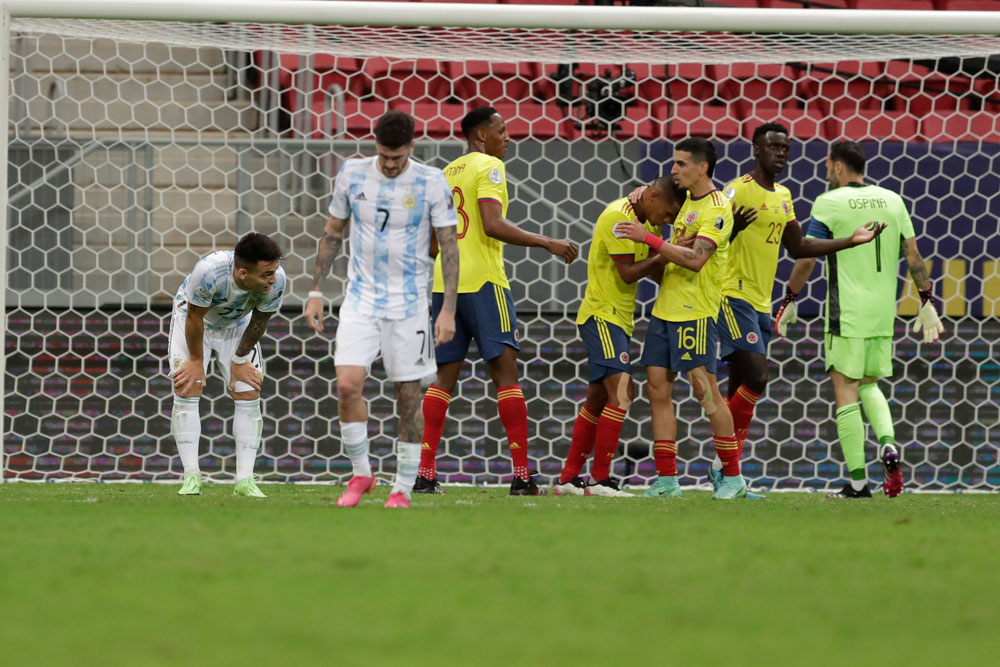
(608, 488)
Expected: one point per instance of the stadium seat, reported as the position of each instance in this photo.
(697, 120)
(773, 85)
(922, 91)
(416, 81)
(358, 121)
(742, 4)
(914, 5)
(690, 83)
(477, 82)
(437, 121)
(980, 126)
(872, 126)
(537, 121)
(972, 5)
(804, 4)
(803, 124)
(842, 87)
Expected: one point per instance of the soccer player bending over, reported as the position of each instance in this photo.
(748, 282)
(223, 307)
(682, 335)
(861, 308)
(485, 312)
(391, 202)
(605, 320)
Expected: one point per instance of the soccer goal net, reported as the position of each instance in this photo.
(144, 135)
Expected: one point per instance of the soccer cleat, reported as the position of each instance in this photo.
(731, 488)
(191, 486)
(426, 485)
(520, 487)
(893, 484)
(357, 487)
(574, 487)
(248, 488)
(397, 500)
(715, 477)
(754, 496)
(608, 488)
(664, 487)
(849, 492)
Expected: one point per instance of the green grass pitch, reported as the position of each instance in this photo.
(134, 575)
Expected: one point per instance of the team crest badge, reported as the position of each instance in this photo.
(784, 207)
(202, 292)
(752, 338)
(691, 217)
(409, 201)
(720, 222)
(495, 177)
(517, 335)
(730, 193)
(623, 357)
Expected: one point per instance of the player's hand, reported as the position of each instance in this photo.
(928, 322)
(788, 313)
(444, 327)
(190, 375)
(743, 217)
(632, 231)
(313, 312)
(686, 241)
(636, 194)
(246, 373)
(563, 249)
(867, 232)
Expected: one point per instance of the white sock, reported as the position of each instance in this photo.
(185, 426)
(247, 426)
(354, 435)
(407, 464)
(858, 484)
(716, 463)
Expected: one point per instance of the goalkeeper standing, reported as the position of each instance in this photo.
(861, 308)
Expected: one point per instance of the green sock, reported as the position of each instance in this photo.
(851, 431)
(877, 411)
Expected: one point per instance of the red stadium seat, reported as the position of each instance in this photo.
(358, 121)
(804, 4)
(842, 87)
(742, 4)
(537, 121)
(696, 120)
(873, 126)
(915, 5)
(972, 5)
(773, 85)
(802, 123)
(482, 83)
(691, 84)
(979, 126)
(437, 121)
(416, 81)
(922, 91)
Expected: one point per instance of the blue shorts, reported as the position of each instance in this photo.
(681, 346)
(742, 327)
(607, 348)
(487, 315)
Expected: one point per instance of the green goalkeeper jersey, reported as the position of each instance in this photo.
(861, 281)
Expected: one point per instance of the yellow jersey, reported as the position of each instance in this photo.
(753, 257)
(686, 294)
(476, 177)
(608, 297)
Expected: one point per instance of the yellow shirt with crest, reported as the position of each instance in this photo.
(691, 295)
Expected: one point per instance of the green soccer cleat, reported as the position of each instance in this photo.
(248, 488)
(664, 487)
(715, 477)
(191, 486)
(731, 489)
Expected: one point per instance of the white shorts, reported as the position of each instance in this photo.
(407, 346)
(221, 342)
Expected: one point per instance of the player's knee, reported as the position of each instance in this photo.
(245, 395)
(349, 387)
(621, 392)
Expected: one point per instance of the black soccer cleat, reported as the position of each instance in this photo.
(849, 492)
(430, 486)
(520, 487)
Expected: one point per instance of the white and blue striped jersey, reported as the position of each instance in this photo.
(211, 285)
(389, 270)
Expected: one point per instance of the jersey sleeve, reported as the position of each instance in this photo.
(905, 222)
(822, 217)
(790, 212)
(340, 206)
(200, 287)
(440, 202)
(275, 294)
(606, 231)
(716, 225)
(491, 182)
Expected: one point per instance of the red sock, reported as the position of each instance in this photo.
(435, 407)
(728, 451)
(514, 415)
(584, 432)
(609, 428)
(742, 406)
(665, 455)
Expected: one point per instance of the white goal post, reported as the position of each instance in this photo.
(145, 134)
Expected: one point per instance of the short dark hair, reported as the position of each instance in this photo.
(701, 150)
(394, 129)
(669, 189)
(851, 154)
(762, 130)
(475, 118)
(255, 247)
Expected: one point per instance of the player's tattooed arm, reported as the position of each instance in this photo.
(447, 240)
(693, 257)
(328, 249)
(917, 266)
(253, 333)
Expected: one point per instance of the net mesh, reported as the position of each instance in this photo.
(139, 147)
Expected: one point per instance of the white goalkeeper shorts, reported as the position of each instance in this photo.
(406, 346)
(218, 343)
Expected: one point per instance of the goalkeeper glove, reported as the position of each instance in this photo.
(927, 319)
(788, 313)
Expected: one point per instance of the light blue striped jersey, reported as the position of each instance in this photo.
(390, 232)
(211, 285)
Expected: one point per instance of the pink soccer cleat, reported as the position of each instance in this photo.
(397, 500)
(357, 487)
(893, 484)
